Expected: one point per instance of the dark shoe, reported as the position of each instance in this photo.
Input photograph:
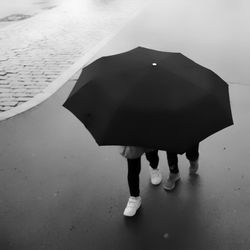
(171, 181)
(193, 168)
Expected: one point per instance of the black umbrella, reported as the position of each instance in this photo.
(150, 98)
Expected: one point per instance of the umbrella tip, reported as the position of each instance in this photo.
(154, 64)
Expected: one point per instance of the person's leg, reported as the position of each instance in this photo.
(174, 175)
(153, 158)
(134, 201)
(193, 155)
(155, 174)
(134, 169)
(173, 162)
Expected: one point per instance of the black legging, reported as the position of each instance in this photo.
(134, 169)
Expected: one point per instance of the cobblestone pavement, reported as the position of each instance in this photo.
(36, 51)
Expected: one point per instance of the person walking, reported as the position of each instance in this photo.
(192, 154)
(133, 156)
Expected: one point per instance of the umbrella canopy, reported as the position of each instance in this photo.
(150, 98)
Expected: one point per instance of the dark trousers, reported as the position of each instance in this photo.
(134, 169)
(134, 166)
(192, 155)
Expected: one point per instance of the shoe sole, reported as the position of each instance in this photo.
(129, 216)
(156, 184)
(170, 189)
(133, 214)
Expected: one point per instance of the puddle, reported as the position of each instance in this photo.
(15, 17)
(13, 11)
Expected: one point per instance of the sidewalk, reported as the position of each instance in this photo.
(38, 55)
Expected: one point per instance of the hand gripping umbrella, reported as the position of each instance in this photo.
(150, 98)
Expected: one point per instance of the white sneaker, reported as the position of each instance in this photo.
(171, 180)
(155, 176)
(132, 206)
(193, 168)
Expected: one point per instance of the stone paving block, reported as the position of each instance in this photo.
(4, 82)
(22, 95)
(9, 103)
(5, 108)
(7, 99)
(18, 90)
(5, 90)
(22, 99)
(2, 78)
(38, 87)
(32, 91)
(5, 95)
(18, 86)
